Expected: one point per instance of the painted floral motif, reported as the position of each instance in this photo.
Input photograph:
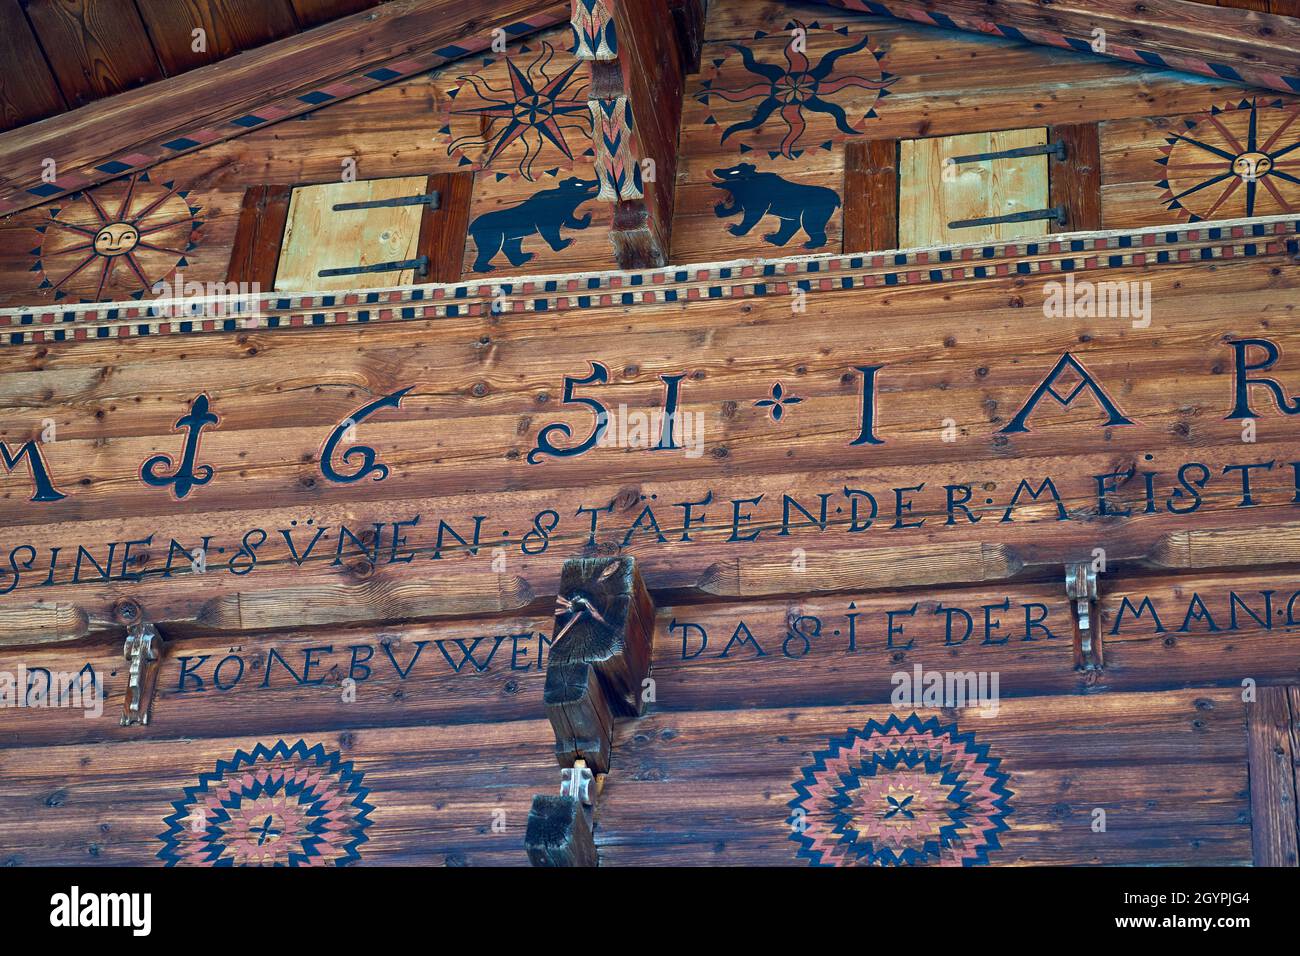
(278, 806)
(903, 793)
(116, 239)
(1243, 160)
(777, 404)
(800, 94)
(520, 113)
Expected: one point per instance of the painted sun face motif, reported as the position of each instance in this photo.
(116, 239)
(1250, 166)
(1241, 160)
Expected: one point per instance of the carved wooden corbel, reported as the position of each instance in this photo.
(596, 673)
(143, 650)
(1081, 589)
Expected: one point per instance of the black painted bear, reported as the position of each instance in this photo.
(543, 212)
(757, 194)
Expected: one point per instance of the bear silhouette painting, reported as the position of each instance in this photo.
(756, 195)
(543, 213)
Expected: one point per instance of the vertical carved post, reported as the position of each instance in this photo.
(638, 67)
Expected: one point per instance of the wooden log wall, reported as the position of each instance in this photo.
(439, 720)
(776, 415)
(920, 81)
(347, 514)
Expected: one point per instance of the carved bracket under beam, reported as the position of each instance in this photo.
(143, 650)
(1081, 589)
(597, 672)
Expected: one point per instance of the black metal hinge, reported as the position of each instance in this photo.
(1029, 215)
(420, 265)
(430, 199)
(1056, 149)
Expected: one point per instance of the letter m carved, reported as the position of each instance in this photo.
(42, 487)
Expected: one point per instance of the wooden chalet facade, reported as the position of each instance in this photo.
(650, 432)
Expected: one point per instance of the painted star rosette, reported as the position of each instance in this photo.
(519, 114)
(906, 792)
(278, 806)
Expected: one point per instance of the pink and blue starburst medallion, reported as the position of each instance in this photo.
(908, 792)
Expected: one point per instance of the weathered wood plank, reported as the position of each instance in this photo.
(1167, 769)
(263, 216)
(871, 195)
(95, 49)
(446, 453)
(727, 779)
(1160, 632)
(319, 237)
(229, 27)
(1076, 181)
(450, 796)
(312, 13)
(1272, 778)
(935, 191)
(28, 90)
(442, 230)
(1261, 47)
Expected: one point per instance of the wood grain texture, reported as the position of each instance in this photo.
(389, 130)
(948, 82)
(1166, 169)
(38, 623)
(871, 195)
(443, 230)
(319, 237)
(932, 194)
(229, 26)
(458, 446)
(263, 216)
(651, 68)
(28, 90)
(440, 787)
(1168, 769)
(312, 13)
(1161, 632)
(1272, 778)
(1075, 183)
(96, 49)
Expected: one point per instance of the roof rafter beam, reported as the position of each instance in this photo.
(142, 127)
(1261, 49)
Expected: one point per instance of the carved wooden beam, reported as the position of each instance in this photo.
(596, 673)
(640, 52)
(1262, 49)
